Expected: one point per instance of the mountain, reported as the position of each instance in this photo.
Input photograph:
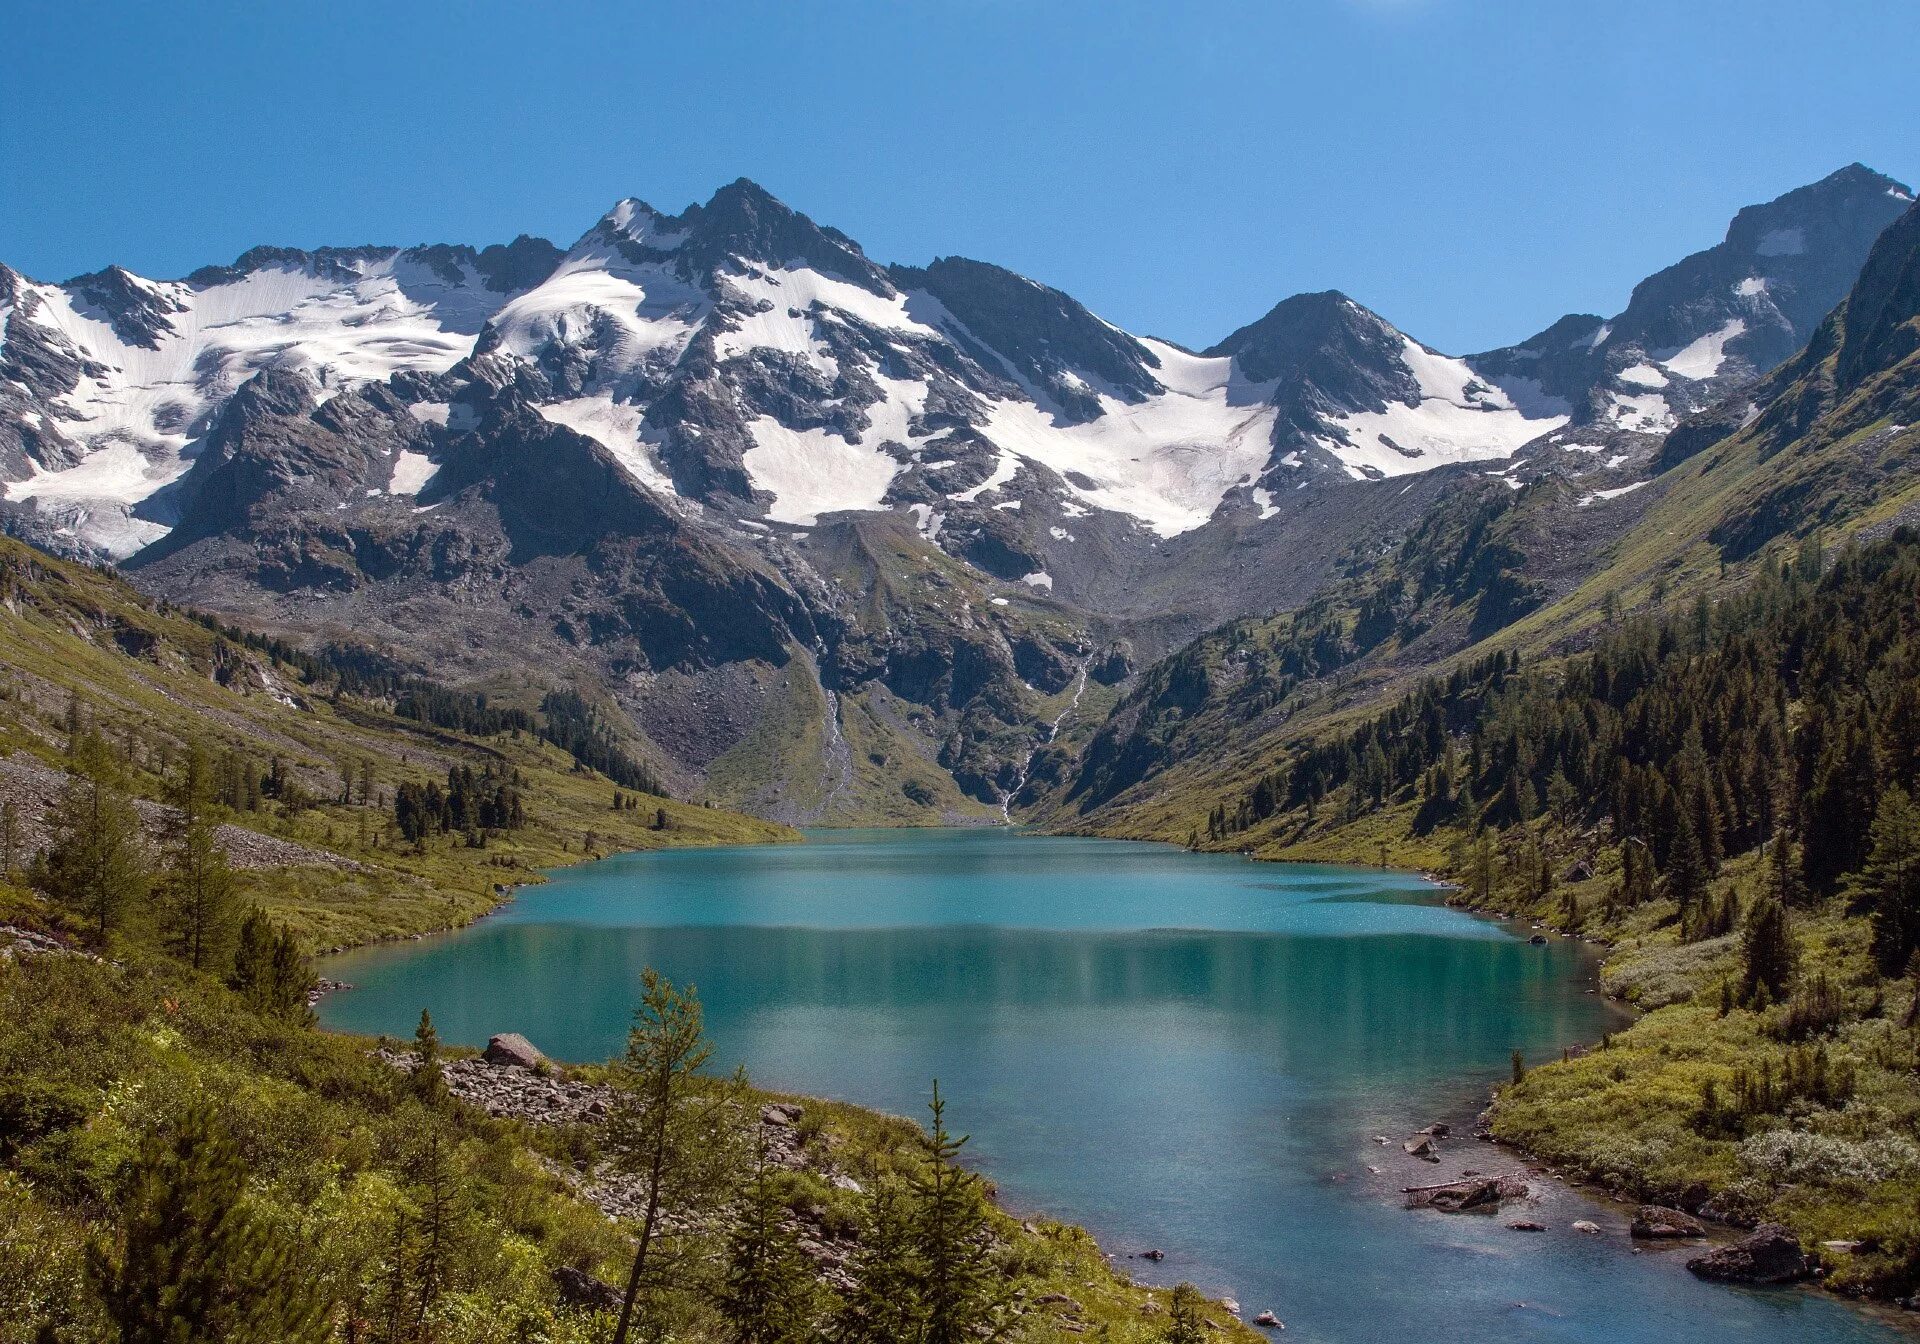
(1715, 319)
(1824, 449)
(842, 539)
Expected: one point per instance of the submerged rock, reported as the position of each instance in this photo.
(1768, 1254)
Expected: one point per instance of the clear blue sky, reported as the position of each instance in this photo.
(1472, 170)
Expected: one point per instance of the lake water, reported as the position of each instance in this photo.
(1193, 1053)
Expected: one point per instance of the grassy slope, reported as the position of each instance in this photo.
(65, 631)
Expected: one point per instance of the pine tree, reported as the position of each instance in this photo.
(96, 863)
(960, 1291)
(1890, 881)
(770, 1295)
(195, 1266)
(1185, 1324)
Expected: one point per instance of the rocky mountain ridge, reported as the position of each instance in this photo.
(777, 497)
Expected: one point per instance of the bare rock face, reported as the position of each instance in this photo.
(1768, 1254)
(513, 1048)
(1655, 1223)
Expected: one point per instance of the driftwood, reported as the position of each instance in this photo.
(1478, 1194)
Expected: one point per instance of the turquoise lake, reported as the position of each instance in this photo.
(1191, 1053)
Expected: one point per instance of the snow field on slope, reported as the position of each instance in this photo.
(814, 471)
(1167, 461)
(1703, 358)
(1459, 418)
(617, 427)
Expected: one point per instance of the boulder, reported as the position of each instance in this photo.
(1652, 1222)
(1592, 1229)
(513, 1048)
(1421, 1146)
(1269, 1320)
(1768, 1254)
(1527, 1225)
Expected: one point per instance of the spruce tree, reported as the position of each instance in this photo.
(960, 1290)
(10, 841)
(1686, 867)
(1890, 881)
(428, 1082)
(1766, 951)
(884, 1304)
(670, 1127)
(194, 1265)
(1185, 1324)
(198, 895)
(269, 971)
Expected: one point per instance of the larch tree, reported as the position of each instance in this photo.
(96, 862)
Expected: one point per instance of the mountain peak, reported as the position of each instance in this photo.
(744, 222)
(1298, 326)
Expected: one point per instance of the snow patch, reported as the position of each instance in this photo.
(1752, 287)
(1600, 496)
(1038, 579)
(1459, 418)
(616, 426)
(1643, 375)
(1647, 413)
(1703, 358)
(411, 472)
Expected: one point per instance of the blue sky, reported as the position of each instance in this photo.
(1472, 170)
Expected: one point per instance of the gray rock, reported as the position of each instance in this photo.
(1652, 1222)
(1768, 1254)
(513, 1048)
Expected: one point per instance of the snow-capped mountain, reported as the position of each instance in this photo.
(740, 357)
(1714, 320)
(736, 356)
(110, 382)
